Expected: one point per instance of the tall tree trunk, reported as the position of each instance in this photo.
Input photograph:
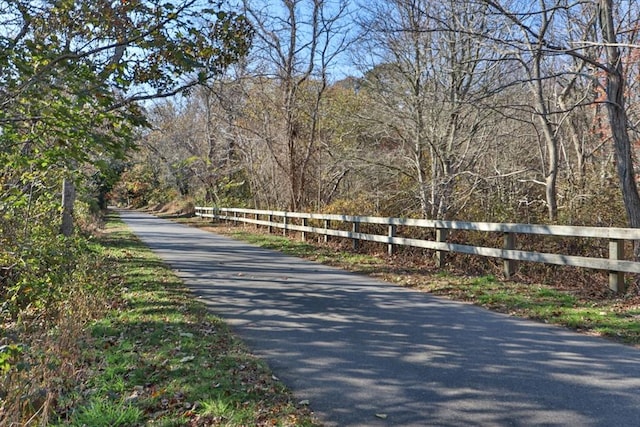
(551, 178)
(618, 120)
(551, 141)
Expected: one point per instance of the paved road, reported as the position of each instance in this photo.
(356, 347)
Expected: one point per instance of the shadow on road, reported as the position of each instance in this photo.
(364, 352)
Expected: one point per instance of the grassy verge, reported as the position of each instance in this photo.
(159, 358)
(603, 314)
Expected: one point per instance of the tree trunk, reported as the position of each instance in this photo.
(68, 198)
(618, 120)
(551, 141)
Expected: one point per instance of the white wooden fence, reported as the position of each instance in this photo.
(615, 264)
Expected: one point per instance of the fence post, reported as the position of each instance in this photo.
(509, 265)
(616, 278)
(270, 223)
(327, 224)
(285, 222)
(355, 228)
(441, 236)
(257, 217)
(305, 222)
(391, 233)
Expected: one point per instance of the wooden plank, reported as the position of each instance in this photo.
(441, 236)
(327, 225)
(303, 235)
(391, 233)
(516, 255)
(285, 224)
(355, 228)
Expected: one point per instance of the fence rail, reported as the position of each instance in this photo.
(615, 264)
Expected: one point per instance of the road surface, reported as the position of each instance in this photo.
(367, 353)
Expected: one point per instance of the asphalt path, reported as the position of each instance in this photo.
(368, 353)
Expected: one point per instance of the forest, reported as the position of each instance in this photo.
(472, 110)
(475, 110)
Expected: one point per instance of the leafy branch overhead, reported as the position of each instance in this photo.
(137, 49)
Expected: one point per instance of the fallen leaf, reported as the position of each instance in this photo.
(304, 402)
(187, 359)
(132, 398)
(381, 416)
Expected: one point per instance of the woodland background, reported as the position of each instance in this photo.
(472, 110)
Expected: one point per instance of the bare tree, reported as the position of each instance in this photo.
(427, 69)
(612, 67)
(296, 42)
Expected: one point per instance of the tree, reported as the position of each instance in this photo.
(427, 67)
(193, 141)
(72, 74)
(612, 66)
(296, 42)
(73, 71)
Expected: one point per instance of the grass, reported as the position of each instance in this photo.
(158, 357)
(610, 317)
(598, 313)
(108, 413)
